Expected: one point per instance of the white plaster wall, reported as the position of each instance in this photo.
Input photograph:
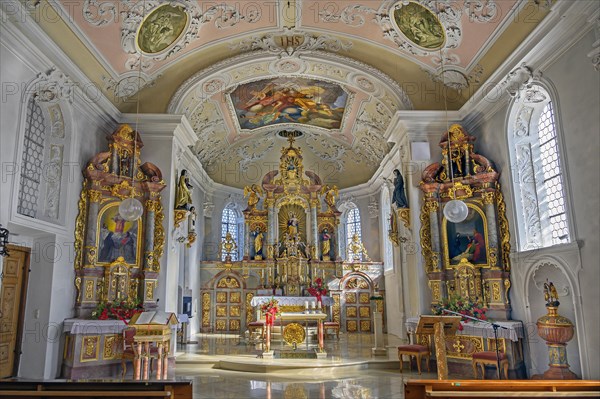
(577, 85)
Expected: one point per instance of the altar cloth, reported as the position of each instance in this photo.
(291, 300)
(513, 329)
(84, 326)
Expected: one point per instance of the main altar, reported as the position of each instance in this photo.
(292, 240)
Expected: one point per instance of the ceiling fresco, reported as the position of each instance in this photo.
(241, 71)
(289, 100)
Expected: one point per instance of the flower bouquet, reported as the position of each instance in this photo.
(318, 290)
(464, 306)
(270, 309)
(117, 310)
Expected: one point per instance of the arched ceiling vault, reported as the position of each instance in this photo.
(335, 70)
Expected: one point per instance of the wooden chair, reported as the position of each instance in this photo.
(253, 326)
(416, 350)
(332, 325)
(129, 350)
(489, 358)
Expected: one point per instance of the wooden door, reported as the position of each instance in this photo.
(229, 305)
(357, 292)
(12, 304)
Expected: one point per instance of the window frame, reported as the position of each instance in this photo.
(530, 211)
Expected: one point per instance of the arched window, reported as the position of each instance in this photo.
(229, 225)
(32, 160)
(352, 227)
(538, 181)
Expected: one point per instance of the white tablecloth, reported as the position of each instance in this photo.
(83, 326)
(513, 330)
(291, 300)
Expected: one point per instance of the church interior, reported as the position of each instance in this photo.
(298, 199)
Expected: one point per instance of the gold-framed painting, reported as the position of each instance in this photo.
(467, 239)
(117, 237)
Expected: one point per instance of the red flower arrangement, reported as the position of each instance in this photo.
(464, 306)
(317, 290)
(270, 309)
(118, 310)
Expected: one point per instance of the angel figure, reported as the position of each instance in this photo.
(356, 249)
(553, 293)
(330, 194)
(253, 192)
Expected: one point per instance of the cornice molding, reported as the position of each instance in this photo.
(40, 53)
(564, 26)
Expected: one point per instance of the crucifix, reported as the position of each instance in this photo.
(120, 276)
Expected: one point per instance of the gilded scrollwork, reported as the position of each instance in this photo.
(206, 306)
(504, 231)
(425, 235)
(159, 237)
(80, 227)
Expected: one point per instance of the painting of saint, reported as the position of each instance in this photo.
(419, 25)
(466, 239)
(280, 100)
(162, 28)
(117, 237)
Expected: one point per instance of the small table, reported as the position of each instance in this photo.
(306, 317)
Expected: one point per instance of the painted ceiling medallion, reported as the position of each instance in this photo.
(162, 28)
(419, 25)
(284, 100)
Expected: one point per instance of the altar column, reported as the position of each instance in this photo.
(314, 227)
(432, 207)
(247, 240)
(90, 250)
(490, 214)
(270, 204)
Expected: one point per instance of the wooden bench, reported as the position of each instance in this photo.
(174, 389)
(447, 389)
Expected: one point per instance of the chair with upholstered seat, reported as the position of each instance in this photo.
(489, 358)
(418, 351)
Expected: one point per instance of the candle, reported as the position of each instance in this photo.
(305, 304)
(312, 305)
(318, 305)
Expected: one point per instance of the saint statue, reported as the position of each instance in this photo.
(258, 243)
(292, 224)
(183, 194)
(399, 196)
(325, 244)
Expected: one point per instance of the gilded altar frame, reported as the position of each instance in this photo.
(449, 264)
(109, 178)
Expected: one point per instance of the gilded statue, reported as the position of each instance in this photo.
(253, 192)
(550, 294)
(183, 193)
(357, 249)
(228, 245)
(325, 244)
(330, 193)
(258, 243)
(292, 224)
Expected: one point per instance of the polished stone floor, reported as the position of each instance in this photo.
(227, 366)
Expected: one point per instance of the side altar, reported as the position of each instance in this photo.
(117, 260)
(292, 239)
(467, 261)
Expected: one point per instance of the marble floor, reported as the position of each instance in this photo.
(228, 366)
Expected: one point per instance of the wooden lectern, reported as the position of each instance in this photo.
(439, 326)
(152, 328)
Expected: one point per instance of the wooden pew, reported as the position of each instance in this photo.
(173, 389)
(450, 389)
